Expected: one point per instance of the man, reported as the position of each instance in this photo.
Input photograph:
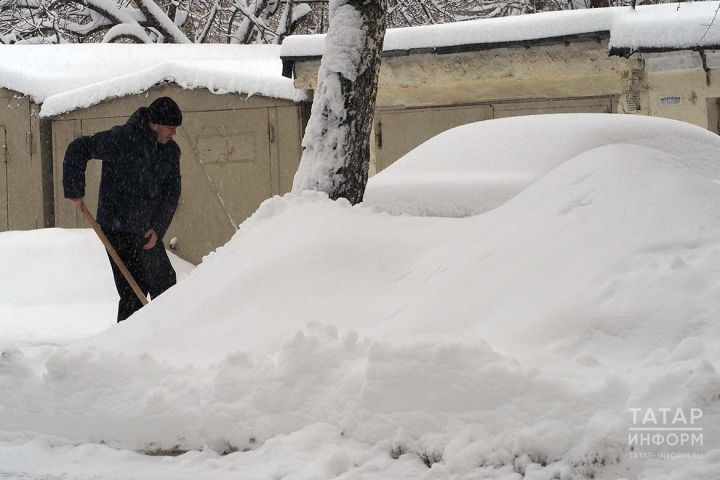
(139, 193)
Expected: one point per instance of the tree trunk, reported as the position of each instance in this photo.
(336, 147)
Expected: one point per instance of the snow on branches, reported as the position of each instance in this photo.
(149, 21)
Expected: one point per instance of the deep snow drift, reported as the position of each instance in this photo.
(338, 342)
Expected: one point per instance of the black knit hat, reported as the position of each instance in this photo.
(165, 111)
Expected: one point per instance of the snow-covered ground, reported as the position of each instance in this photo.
(56, 287)
(329, 341)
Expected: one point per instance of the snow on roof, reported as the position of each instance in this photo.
(675, 25)
(71, 76)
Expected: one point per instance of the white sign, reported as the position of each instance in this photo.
(671, 100)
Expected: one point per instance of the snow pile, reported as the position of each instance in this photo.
(331, 340)
(71, 76)
(56, 286)
(684, 25)
(476, 167)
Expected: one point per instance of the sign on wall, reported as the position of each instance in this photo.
(671, 100)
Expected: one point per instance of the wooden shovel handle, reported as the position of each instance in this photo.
(113, 254)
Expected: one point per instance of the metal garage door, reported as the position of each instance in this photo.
(3, 180)
(399, 130)
(225, 167)
(226, 172)
(21, 193)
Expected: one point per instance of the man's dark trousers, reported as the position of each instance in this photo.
(151, 269)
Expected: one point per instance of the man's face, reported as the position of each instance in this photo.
(164, 133)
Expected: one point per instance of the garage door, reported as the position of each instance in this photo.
(399, 130)
(3, 180)
(226, 174)
(21, 192)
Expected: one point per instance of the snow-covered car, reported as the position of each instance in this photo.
(476, 167)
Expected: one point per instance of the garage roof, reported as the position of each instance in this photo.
(651, 27)
(71, 76)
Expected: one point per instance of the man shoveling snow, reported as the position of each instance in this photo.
(139, 193)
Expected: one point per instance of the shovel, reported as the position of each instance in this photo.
(113, 254)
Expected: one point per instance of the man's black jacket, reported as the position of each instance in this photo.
(140, 181)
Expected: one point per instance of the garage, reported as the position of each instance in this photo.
(240, 139)
(424, 90)
(236, 152)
